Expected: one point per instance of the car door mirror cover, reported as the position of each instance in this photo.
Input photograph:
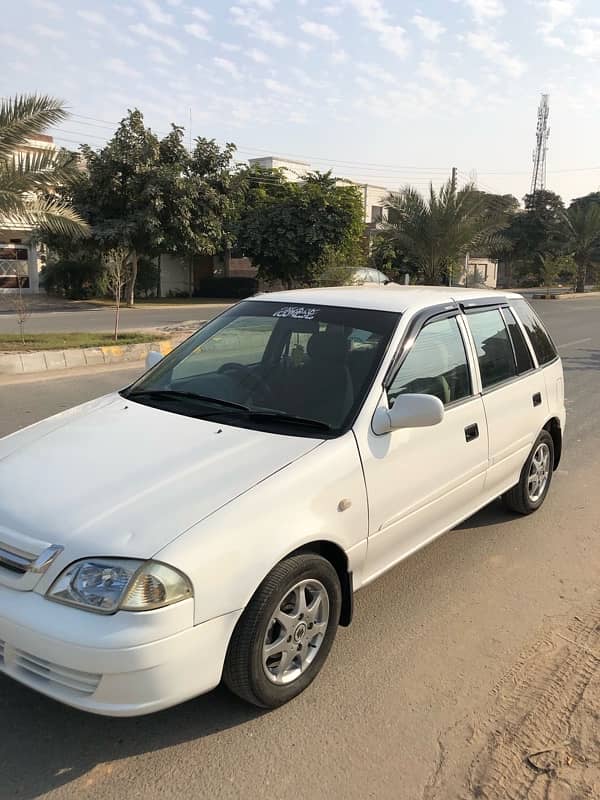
(152, 358)
(408, 411)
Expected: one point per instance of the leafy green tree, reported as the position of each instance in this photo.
(198, 194)
(554, 266)
(582, 224)
(438, 230)
(28, 179)
(289, 227)
(540, 228)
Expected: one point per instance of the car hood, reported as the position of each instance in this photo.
(114, 477)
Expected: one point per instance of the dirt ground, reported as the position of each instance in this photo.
(539, 739)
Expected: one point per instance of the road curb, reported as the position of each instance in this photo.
(76, 358)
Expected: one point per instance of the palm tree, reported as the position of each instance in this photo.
(28, 177)
(583, 236)
(437, 231)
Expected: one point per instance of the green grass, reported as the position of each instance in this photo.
(143, 302)
(12, 342)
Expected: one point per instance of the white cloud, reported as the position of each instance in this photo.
(197, 30)
(305, 47)
(298, 117)
(339, 56)
(431, 70)
(94, 17)
(465, 91)
(227, 66)
(231, 48)
(158, 56)
(496, 51)
(484, 10)
(375, 72)
(259, 27)
(319, 31)
(376, 18)
(304, 79)
(333, 10)
(174, 2)
(556, 12)
(51, 8)
(588, 42)
(127, 10)
(430, 28)
(200, 13)
(266, 5)
(16, 43)
(258, 56)
(155, 12)
(121, 68)
(48, 33)
(141, 29)
(277, 87)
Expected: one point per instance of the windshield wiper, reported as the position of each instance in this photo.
(277, 416)
(173, 394)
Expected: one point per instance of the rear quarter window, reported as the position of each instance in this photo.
(539, 337)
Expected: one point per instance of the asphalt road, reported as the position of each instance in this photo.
(73, 317)
(407, 688)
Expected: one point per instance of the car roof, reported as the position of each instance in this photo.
(392, 297)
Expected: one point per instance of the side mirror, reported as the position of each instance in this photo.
(408, 411)
(153, 358)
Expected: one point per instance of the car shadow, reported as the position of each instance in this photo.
(45, 745)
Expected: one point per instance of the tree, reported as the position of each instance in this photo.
(120, 193)
(540, 228)
(552, 267)
(290, 226)
(197, 196)
(582, 223)
(436, 232)
(117, 275)
(29, 178)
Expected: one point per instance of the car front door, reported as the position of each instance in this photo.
(422, 481)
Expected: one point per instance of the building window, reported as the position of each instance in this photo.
(376, 213)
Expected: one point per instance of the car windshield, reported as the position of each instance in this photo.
(288, 367)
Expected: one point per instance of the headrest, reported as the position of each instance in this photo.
(327, 346)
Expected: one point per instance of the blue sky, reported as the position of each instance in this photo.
(384, 91)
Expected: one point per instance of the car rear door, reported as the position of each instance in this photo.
(513, 390)
(422, 481)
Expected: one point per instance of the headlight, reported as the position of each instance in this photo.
(107, 585)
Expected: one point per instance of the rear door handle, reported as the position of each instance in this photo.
(537, 399)
(472, 432)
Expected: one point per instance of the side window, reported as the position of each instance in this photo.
(522, 354)
(540, 340)
(494, 350)
(436, 364)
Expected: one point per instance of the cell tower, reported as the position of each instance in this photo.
(538, 178)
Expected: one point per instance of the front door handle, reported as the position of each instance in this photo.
(472, 432)
(537, 399)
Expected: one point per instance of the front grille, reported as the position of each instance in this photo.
(42, 674)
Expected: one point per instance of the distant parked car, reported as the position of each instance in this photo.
(212, 520)
(369, 277)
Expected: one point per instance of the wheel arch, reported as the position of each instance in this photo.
(339, 561)
(555, 431)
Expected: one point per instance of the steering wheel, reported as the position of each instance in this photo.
(249, 380)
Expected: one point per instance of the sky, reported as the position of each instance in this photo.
(388, 92)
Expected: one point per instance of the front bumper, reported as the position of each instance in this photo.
(121, 665)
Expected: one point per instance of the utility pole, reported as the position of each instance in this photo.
(453, 178)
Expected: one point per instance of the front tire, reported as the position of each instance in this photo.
(529, 494)
(284, 636)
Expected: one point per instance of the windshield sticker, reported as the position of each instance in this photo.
(297, 312)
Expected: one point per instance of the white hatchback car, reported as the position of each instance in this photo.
(212, 521)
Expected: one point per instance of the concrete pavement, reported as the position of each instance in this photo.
(414, 691)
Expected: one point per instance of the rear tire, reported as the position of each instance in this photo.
(536, 476)
(284, 636)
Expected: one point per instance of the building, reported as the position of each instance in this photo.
(20, 256)
(292, 170)
(480, 271)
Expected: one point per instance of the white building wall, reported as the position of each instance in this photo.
(292, 170)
